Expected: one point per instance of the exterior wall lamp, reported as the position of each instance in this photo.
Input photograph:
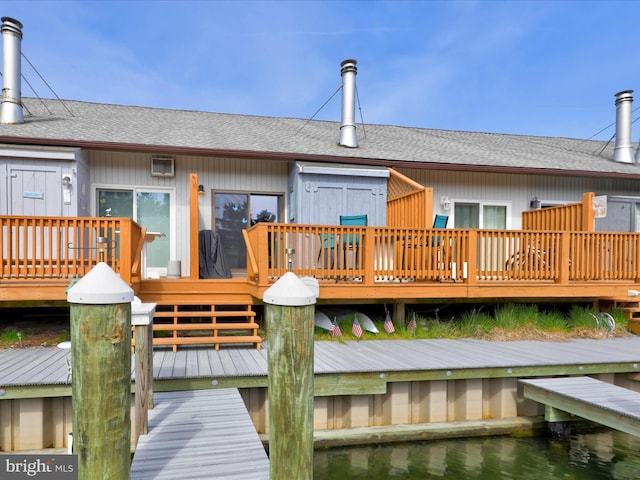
(535, 204)
(445, 202)
(66, 189)
(200, 189)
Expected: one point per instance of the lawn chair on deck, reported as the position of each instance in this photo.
(351, 242)
(440, 221)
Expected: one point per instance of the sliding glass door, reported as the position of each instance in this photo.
(235, 212)
(150, 209)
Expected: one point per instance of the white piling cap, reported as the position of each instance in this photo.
(289, 290)
(101, 286)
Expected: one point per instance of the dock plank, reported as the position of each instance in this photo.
(201, 434)
(44, 366)
(588, 398)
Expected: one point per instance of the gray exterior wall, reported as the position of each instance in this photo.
(515, 189)
(31, 181)
(214, 173)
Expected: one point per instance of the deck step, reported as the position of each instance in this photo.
(195, 314)
(630, 308)
(215, 340)
(205, 326)
(205, 323)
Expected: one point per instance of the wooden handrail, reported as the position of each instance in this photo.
(252, 264)
(461, 255)
(66, 247)
(574, 216)
(38, 248)
(408, 202)
(136, 266)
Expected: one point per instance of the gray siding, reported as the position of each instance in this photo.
(514, 188)
(214, 173)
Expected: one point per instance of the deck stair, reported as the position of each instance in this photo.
(187, 323)
(630, 307)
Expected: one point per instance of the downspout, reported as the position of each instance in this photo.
(348, 137)
(11, 105)
(623, 151)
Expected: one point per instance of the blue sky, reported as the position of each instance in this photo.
(542, 67)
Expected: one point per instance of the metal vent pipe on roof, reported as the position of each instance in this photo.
(623, 151)
(11, 105)
(348, 137)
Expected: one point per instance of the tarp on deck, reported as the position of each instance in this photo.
(212, 263)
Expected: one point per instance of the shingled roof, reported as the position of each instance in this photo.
(105, 126)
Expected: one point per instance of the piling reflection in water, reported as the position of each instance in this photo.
(605, 454)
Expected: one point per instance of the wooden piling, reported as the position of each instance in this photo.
(101, 374)
(142, 321)
(289, 316)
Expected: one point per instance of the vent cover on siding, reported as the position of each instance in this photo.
(162, 166)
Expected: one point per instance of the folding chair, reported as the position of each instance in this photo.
(351, 241)
(440, 221)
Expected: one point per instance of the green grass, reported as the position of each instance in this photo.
(506, 322)
(10, 336)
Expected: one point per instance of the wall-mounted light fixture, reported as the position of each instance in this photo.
(66, 189)
(535, 204)
(445, 202)
(200, 189)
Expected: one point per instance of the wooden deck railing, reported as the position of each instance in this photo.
(408, 202)
(575, 216)
(67, 247)
(377, 254)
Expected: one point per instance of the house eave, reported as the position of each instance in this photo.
(289, 156)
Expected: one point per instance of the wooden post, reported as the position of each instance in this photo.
(142, 320)
(588, 215)
(194, 227)
(289, 315)
(399, 312)
(101, 374)
(565, 248)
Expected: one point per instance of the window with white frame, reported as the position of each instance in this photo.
(488, 215)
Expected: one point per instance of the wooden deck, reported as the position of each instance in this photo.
(588, 398)
(200, 434)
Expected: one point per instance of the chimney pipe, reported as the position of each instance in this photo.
(348, 136)
(623, 151)
(11, 105)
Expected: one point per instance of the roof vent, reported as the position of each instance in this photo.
(348, 136)
(11, 106)
(623, 151)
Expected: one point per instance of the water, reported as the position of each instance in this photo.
(605, 454)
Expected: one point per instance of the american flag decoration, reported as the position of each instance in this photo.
(356, 329)
(388, 324)
(335, 329)
(411, 326)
